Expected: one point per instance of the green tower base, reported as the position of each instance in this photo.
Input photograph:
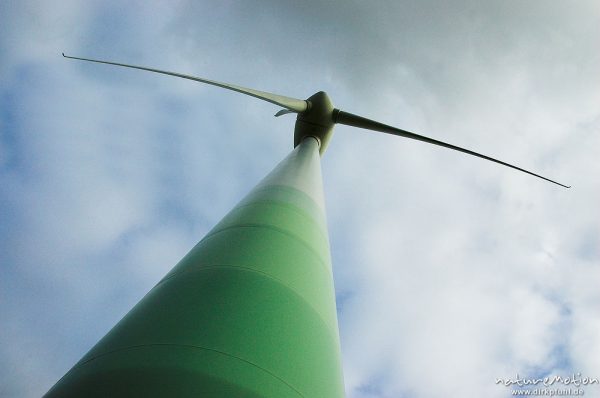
(248, 312)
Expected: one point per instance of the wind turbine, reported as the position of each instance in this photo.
(250, 310)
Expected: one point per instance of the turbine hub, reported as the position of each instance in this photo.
(317, 121)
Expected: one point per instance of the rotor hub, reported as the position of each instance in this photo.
(317, 121)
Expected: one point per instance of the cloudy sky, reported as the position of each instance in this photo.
(450, 271)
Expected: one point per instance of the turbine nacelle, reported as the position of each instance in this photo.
(317, 116)
(317, 121)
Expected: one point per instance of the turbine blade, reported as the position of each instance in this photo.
(350, 119)
(283, 112)
(293, 104)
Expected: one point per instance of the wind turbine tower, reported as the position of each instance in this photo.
(250, 310)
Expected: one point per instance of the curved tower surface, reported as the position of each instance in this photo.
(248, 312)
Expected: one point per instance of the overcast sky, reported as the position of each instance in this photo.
(449, 271)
